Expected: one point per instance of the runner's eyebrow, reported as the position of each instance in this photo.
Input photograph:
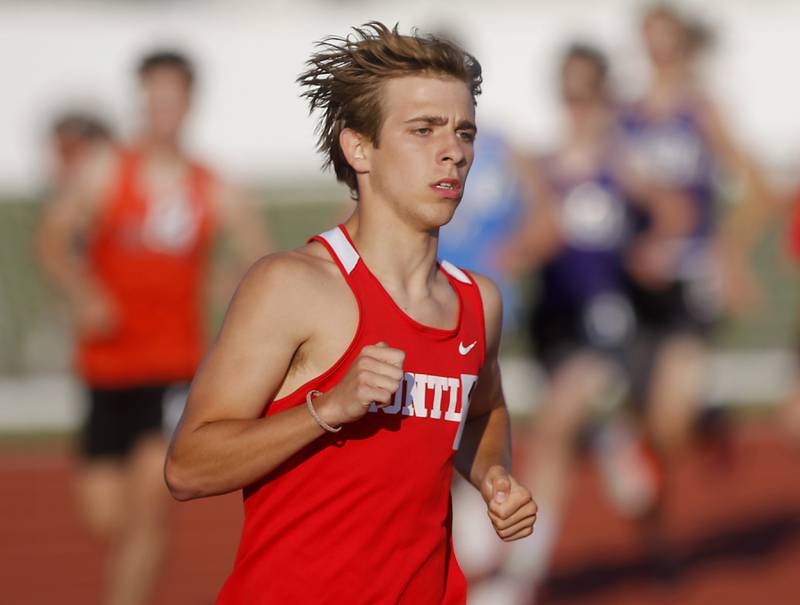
(467, 125)
(432, 120)
(442, 121)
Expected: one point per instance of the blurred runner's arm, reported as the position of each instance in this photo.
(538, 236)
(758, 201)
(243, 227)
(745, 224)
(60, 241)
(484, 455)
(243, 222)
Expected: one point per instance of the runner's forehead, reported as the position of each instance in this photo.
(434, 99)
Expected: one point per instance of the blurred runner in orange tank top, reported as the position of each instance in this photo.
(146, 215)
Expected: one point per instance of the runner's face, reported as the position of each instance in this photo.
(167, 97)
(69, 146)
(425, 148)
(581, 85)
(665, 39)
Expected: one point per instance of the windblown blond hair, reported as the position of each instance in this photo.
(345, 77)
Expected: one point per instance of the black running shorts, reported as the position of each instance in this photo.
(119, 417)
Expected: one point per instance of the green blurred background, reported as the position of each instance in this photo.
(34, 332)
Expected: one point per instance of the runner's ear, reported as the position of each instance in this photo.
(355, 148)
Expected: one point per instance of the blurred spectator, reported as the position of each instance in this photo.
(147, 214)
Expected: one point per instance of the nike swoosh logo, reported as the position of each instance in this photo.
(464, 350)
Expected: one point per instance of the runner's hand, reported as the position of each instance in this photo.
(374, 377)
(94, 314)
(510, 505)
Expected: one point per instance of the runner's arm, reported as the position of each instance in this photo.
(758, 204)
(538, 236)
(484, 457)
(745, 224)
(66, 219)
(223, 442)
(242, 222)
(243, 228)
(61, 238)
(486, 439)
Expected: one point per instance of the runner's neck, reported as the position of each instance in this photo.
(401, 258)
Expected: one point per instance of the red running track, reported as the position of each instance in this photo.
(734, 523)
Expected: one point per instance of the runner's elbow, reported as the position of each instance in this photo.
(179, 481)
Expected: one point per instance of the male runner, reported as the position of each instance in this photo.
(146, 216)
(349, 371)
(581, 323)
(684, 272)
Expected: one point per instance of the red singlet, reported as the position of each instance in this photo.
(364, 515)
(150, 256)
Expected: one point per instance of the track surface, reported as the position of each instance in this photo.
(733, 520)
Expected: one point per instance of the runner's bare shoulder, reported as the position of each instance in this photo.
(94, 176)
(74, 205)
(490, 293)
(293, 291)
(492, 306)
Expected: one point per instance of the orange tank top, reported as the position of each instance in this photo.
(150, 254)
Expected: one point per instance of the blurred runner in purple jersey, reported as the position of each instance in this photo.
(574, 235)
(682, 273)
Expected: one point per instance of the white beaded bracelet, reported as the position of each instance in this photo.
(319, 420)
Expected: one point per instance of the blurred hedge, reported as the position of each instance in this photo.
(34, 332)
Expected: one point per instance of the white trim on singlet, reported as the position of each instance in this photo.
(455, 271)
(342, 247)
